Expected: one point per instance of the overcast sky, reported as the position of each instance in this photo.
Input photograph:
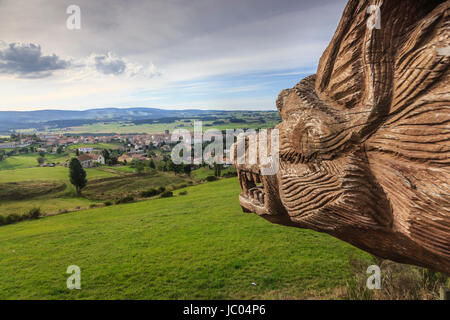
(206, 54)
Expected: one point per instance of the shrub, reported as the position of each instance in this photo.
(399, 282)
(34, 213)
(12, 218)
(2, 220)
(167, 194)
(126, 199)
(183, 193)
(181, 185)
(230, 174)
(92, 205)
(211, 178)
(107, 203)
(150, 193)
(161, 189)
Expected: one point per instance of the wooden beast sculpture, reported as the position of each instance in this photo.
(364, 144)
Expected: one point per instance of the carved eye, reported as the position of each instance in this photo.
(306, 136)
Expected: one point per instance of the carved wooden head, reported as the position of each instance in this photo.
(365, 143)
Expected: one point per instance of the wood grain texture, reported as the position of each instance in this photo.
(365, 142)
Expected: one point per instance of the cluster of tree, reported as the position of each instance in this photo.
(165, 165)
(178, 168)
(111, 158)
(237, 120)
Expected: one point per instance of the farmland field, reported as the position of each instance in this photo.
(94, 145)
(24, 189)
(194, 246)
(30, 160)
(127, 128)
(47, 173)
(49, 203)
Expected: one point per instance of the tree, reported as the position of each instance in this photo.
(113, 160)
(77, 175)
(170, 166)
(217, 169)
(77, 153)
(106, 155)
(42, 154)
(152, 164)
(187, 169)
(140, 167)
(40, 160)
(59, 150)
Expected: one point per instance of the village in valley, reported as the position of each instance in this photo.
(36, 171)
(89, 149)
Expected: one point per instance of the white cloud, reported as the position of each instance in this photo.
(156, 45)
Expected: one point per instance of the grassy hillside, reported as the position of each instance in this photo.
(43, 193)
(199, 245)
(30, 160)
(127, 127)
(47, 173)
(118, 187)
(94, 145)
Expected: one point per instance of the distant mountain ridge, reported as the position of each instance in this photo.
(98, 114)
(14, 120)
(39, 119)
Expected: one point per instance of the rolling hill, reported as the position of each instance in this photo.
(15, 120)
(195, 246)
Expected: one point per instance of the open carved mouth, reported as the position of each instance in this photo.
(253, 194)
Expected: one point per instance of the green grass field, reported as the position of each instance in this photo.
(126, 128)
(197, 246)
(203, 172)
(95, 146)
(30, 160)
(48, 173)
(49, 203)
(118, 187)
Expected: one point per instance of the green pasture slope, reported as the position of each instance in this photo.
(47, 173)
(194, 246)
(95, 146)
(49, 203)
(126, 128)
(30, 160)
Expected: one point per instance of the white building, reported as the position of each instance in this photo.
(85, 150)
(89, 160)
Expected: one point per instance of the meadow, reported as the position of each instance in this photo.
(195, 246)
(100, 145)
(128, 127)
(49, 188)
(48, 173)
(36, 178)
(30, 160)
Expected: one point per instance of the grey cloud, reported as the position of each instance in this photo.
(109, 64)
(26, 61)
